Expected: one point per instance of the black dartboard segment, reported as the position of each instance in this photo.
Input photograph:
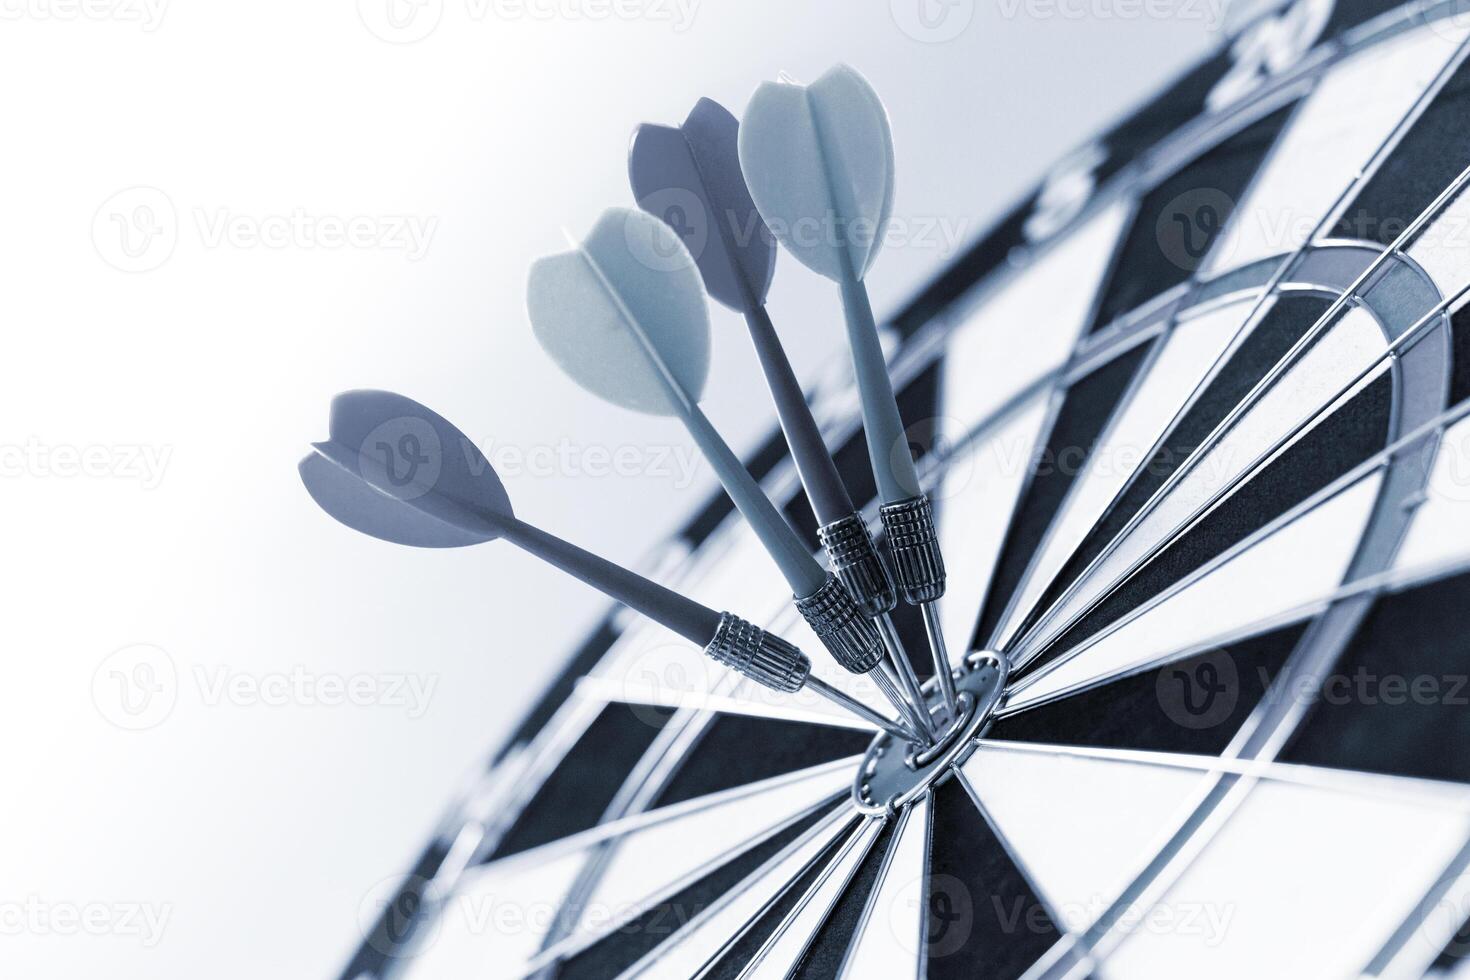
(1399, 701)
(577, 794)
(1460, 374)
(1176, 105)
(1430, 156)
(985, 922)
(1193, 706)
(1179, 220)
(736, 750)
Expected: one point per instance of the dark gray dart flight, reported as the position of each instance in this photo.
(821, 156)
(396, 470)
(690, 177)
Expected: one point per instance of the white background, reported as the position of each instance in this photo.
(151, 420)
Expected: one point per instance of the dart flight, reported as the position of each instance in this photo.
(396, 470)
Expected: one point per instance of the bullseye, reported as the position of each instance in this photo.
(894, 773)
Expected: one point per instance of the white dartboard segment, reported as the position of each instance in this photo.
(1302, 883)
(1027, 325)
(1082, 827)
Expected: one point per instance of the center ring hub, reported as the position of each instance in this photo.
(894, 773)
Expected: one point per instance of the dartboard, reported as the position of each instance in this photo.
(1193, 420)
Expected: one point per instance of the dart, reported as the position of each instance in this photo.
(689, 175)
(396, 470)
(624, 315)
(818, 162)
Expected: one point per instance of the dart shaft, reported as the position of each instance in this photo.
(888, 448)
(690, 619)
(918, 707)
(855, 706)
(942, 670)
(800, 569)
(819, 476)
